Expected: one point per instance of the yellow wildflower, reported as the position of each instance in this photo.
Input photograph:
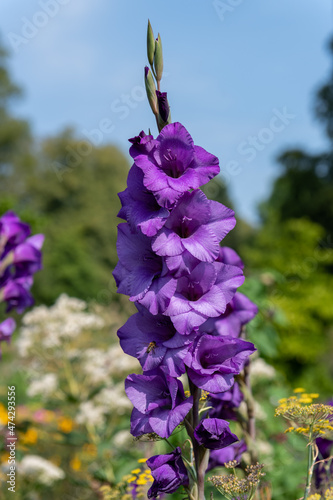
(3, 415)
(329, 494)
(307, 418)
(75, 463)
(29, 437)
(131, 479)
(65, 424)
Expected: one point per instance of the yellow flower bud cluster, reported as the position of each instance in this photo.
(232, 486)
(307, 418)
(141, 478)
(328, 495)
(204, 395)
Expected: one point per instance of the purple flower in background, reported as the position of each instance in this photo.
(139, 206)
(203, 294)
(239, 311)
(325, 448)
(214, 434)
(7, 328)
(17, 294)
(174, 165)
(12, 232)
(139, 272)
(168, 471)
(154, 341)
(213, 361)
(27, 257)
(219, 457)
(195, 224)
(159, 403)
(20, 258)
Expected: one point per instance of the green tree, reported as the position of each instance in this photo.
(294, 291)
(67, 189)
(15, 139)
(77, 197)
(291, 255)
(305, 187)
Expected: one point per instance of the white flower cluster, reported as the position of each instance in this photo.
(40, 470)
(260, 370)
(100, 366)
(110, 400)
(56, 367)
(45, 386)
(49, 326)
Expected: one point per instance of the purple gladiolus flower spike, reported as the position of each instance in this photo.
(159, 403)
(184, 286)
(139, 206)
(214, 434)
(213, 361)
(139, 272)
(203, 294)
(7, 328)
(174, 165)
(168, 471)
(197, 225)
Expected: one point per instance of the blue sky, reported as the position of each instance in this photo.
(241, 75)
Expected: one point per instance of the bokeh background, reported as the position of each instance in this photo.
(253, 84)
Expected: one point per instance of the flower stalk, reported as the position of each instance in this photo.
(184, 285)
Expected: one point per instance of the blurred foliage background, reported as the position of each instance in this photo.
(67, 188)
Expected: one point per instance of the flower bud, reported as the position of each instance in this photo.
(151, 90)
(150, 44)
(164, 115)
(158, 58)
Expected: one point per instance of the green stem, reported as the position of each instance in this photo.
(311, 461)
(72, 384)
(200, 454)
(246, 388)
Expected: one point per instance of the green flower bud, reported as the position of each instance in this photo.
(151, 90)
(150, 43)
(158, 58)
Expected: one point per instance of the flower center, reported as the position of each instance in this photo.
(193, 291)
(184, 230)
(170, 166)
